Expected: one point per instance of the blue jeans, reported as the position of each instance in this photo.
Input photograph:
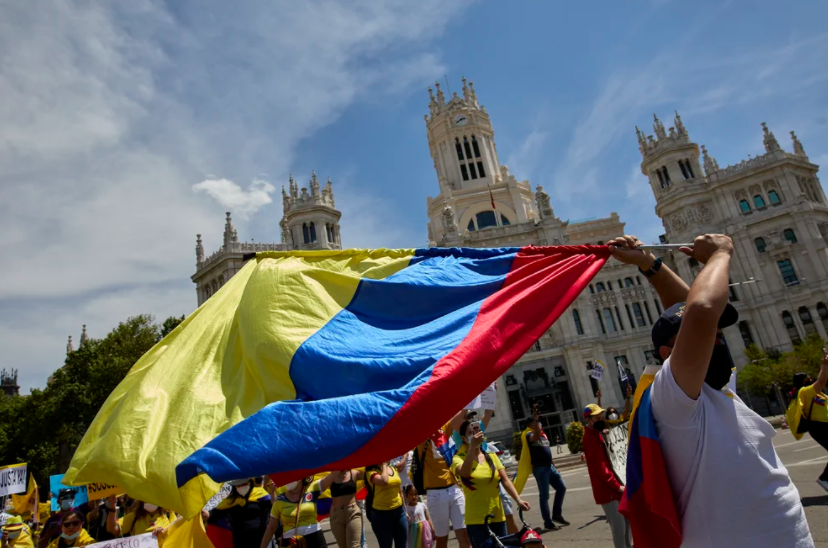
(546, 476)
(479, 534)
(390, 527)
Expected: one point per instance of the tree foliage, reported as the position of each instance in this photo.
(44, 428)
(575, 437)
(769, 368)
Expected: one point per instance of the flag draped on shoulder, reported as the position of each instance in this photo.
(524, 464)
(308, 361)
(648, 501)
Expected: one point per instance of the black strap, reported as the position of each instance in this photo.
(811, 409)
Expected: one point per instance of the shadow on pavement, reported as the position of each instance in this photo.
(815, 501)
(602, 518)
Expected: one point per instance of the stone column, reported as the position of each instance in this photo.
(818, 323)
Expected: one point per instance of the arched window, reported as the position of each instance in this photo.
(467, 148)
(328, 232)
(787, 270)
(666, 175)
(789, 235)
(744, 330)
(639, 315)
(609, 321)
(475, 147)
(464, 172)
(807, 321)
(760, 244)
(790, 327)
(472, 170)
(683, 170)
(758, 201)
(480, 169)
(459, 149)
(312, 228)
(576, 317)
(822, 310)
(689, 168)
(591, 288)
(609, 285)
(485, 219)
(306, 233)
(601, 322)
(744, 206)
(504, 221)
(660, 178)
(774, 197)
(628, 282)
(470, 228)
(599, 287)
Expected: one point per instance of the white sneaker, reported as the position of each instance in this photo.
(823, 484)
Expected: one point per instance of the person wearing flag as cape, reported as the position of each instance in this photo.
(701, 467)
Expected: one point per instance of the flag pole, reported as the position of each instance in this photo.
(664, 246)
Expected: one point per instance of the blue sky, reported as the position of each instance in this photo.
(111, 117)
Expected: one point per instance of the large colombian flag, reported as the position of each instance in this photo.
(309, 361)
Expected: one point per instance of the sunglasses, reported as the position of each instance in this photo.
(75, 523)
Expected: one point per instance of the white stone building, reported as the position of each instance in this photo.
(310, 221)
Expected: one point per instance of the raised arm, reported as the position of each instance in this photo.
(708, 297)
(670, 287)
(626, 414)
(487, 416)
(471, 455)
(819, 385)
(379, 479)
(326, 482)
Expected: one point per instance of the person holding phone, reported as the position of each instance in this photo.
(808, 411)
(481, 474)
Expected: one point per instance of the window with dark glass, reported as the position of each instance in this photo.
(649, 357)
(312, 232)
(464, 171)
(609, 321)
(689, 168)
(822, 310)
(629, 315)
(657, 302)
(787, 270)
(620, 321)
(758, 201)
(599, 287)
(516, 404)
(576, 317)
(666, 175)
(628, 282)
(774, 197)
(591, 289)
(744, 330)
(471, 226)
(789, 235)
(744, 206)
(467, 148)
(472, 170)
(459, 149)
(790, 327)
(683, 170)
(504, 221)
(305, 233)
(760, 245)
(660, 178)
(647, 310)
(639, 315)
(486, 219)
(480, 169)
(807, 321)
(475, 147)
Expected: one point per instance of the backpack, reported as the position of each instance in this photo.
(418, 468)
(805, 422)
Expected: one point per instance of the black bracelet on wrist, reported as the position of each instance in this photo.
(650, 272)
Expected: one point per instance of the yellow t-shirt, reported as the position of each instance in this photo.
(481, 489)
(387, 497)
(131, 527)
(24, 540)
(819, 412)
(83, 540)
(436, 471)
(285, 510)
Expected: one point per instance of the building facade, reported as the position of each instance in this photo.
(773, 207)
(310, 221)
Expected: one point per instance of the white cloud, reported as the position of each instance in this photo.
(525, 159)
(112, 112)
(235, 198)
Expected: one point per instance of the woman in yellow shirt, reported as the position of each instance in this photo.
(811, 404)
(72, 532)
(481, 473)
(299, 528)
(386, 512)
(147, 518)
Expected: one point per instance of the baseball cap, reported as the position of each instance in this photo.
(238, 482)
(530, 536)
(66, 494)
(591, 410)
(668, 324)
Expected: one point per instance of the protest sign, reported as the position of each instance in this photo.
(55, 486)
(218, 497)
(597, 370)
(622, 371)
(138, 541)
(616, 441)
(4, 517)
(12, 479)
(486, 400)
(102, 490)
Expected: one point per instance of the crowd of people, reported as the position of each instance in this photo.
(726, 480)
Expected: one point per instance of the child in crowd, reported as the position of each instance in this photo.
(420, 528)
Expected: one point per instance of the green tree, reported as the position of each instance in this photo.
(575, 437)
(170, 324)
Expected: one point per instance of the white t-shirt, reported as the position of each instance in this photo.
(416, 513)
(730, 487)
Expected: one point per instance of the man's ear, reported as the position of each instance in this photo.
(664, 352)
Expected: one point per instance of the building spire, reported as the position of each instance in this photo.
(771, 144)
(199, 250)
(642, 140)
(84, 337)
(466, 94)
(709, 162)
(658, 127)
(441, 98)
(680, 129)
(69, 347)
(472, 94)
(799, 150)
(229, 231)
(314, 184)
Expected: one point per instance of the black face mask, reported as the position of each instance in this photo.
(599, 425)
(720, 368)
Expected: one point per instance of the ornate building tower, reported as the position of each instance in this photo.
(772, 206)
(310, 221)
(476, 192)
(8, 383)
